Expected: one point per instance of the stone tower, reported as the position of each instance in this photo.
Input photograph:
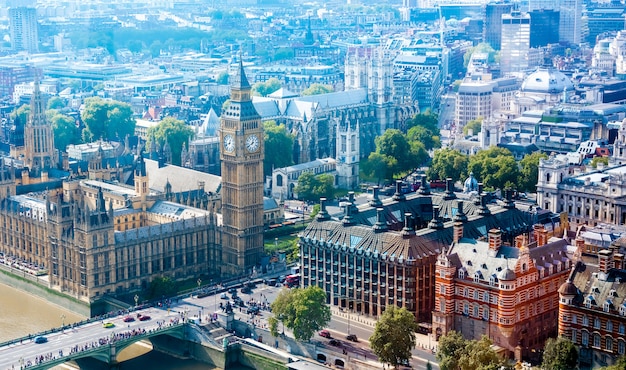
(241, 153)
(348, 153)
(40, 153)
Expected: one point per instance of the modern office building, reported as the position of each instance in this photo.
(492, 31)
(544, 25)
(515, 43)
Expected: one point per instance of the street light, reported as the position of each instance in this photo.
(136, 299)
(199, 283)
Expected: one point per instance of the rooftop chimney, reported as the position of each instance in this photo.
(495, 239)
(424, 186)
(353, 208)
(457, 231)
(460, 214)
(398, 196)
(407, 231)
(380, 224)
(604, 260)
(375, 201)
(541, 234)
(449, 193)
(435, 223)
(347, 219)
(323, 214)
(484, 210)
(508, 196)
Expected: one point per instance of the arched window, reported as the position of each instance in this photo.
(476, 314)
(608, 342)
(621, 347)
(585, 338)
(585, 320)
(476, 294)
(279, 180)
(596, 323)
(609, 325)
(596, 340)
(461, 274)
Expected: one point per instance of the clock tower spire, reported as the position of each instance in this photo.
(241, 153)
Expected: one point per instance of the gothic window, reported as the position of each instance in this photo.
(279, 180)
(485, 313)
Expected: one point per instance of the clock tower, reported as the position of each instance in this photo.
(241, 153)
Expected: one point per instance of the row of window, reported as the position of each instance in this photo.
(597, 323)
(609, 342)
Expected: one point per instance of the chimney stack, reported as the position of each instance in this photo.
(375, 201)
(435, 223)
(604, 260)
(424, 186)
(323, 214)
(508, 195)
(495, 239)
(407, 231)
(381, 224)
(521, 241)
(460, 214)
(449, 193)
(398, 196)
(541, 234)
(457, 231)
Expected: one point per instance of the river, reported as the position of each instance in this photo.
(22, 314)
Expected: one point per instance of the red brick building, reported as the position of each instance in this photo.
(508, 293)
(592, 305)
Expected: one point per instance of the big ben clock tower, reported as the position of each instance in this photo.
(241, 153)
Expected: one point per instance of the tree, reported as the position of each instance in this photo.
(278, 147)
(21, 113)
(283, 54)
(478, 355)
(175, 132)
(559, 354)
(424, 136)
(304, 311)
(428, 120)
(267, 87)
(457, 353)
(451, 347)
(394, 144)
(375, 167)
(65, 131)
(448, 163)
(317, 89)
(529, 171)
(474, 125)
(161, 287)
(394, 336)
(222, 78)
(495, 167)
(107, 120)
(55, 102)
(596, 160)
(311, 187)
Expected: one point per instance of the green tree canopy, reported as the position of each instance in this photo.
(21, 113)
(278, 147)
(304, 311)
(65, 131)
(394, 145)
(375, 167)
(495, 167)
(620, 364)
(267, 87)
(475, 125)
(222, 78)
(394, 336)
(529, 171)
(559, 354)
(161, 286)
(175, 132)
(457, 353)
(55, 102)
(317, 89)
(427, 120)
(446, 163)
(283, 54)
(107, 119)
(312, 187)
(597, 159)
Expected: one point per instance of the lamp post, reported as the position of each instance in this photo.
(199, 283)
(63, 322)
(136, 299)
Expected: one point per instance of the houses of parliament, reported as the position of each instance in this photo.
(103, 230)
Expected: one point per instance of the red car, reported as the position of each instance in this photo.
(325, 334)
(144, 318)
(128, 319)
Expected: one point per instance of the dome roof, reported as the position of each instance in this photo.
(471, 184)
(547, 80)
(568, 288)
(507, 275)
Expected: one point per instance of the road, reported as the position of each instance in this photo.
(446, 118)
(92, 334)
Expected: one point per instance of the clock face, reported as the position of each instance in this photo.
(229, 143)
(252, 143)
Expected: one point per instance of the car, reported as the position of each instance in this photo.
(40, 340)
(253, 310)
(352, 338)
(334, 342)
(223, 296)
(108, 325)
(246, 290)
(282, 278)
(144, 318)
(325, 334)
(232, 291)
(128, 319)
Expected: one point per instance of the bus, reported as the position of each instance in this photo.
(292, 280)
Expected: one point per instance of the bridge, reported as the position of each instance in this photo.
(101, 340)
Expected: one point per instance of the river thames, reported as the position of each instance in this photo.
(22, 314)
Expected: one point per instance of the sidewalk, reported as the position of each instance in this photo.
(353, 317)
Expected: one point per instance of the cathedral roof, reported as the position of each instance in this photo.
(547, 80)
(178, 178)
(210, 125)
(283, 93)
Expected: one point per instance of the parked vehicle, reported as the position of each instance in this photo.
(352, 338)
(325, 334)
(128, 319)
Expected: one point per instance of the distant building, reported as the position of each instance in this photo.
(515, 43)
(492, 31)
(24, 29)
